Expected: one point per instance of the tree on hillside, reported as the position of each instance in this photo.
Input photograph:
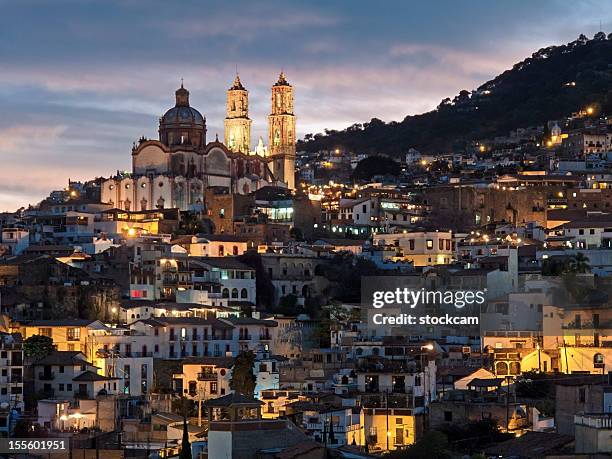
(243, 378)
(376, 165)
(530, 93)
(37, 346)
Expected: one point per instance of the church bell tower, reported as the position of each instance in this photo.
(237, 122)
(281, 132)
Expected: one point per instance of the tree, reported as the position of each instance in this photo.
(296, 233)
(184, 406)
(474, 435)
(376, 165)
(347, 270)
(288, 304)
(264, 289)
(185, 446)
(37, 346)
(433, 445)
(243, 378)
(192, 223)
(579, 264)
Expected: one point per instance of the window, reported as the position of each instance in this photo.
(429, 244)
(61, 388)
(411, 244)
(448, 416)
(582, 395)
(501, 368)
(244, 293)
(45, 332)
(73, 334)
(213, 387)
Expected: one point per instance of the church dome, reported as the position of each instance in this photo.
(182, 124)
(183, 116)
(182, 113)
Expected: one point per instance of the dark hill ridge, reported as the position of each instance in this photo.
(536, 90)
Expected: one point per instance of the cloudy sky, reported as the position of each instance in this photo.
(80, 80)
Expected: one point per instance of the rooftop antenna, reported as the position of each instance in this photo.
(181, 82)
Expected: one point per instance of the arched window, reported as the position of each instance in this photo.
(515, 368)
(501, 368)
(225, 293)
(235, 250)
(244, 293)
(221, 251)
(598, 361)
(234, 293)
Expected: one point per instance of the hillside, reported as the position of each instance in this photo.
(534, 91)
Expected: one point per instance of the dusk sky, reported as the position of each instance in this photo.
(81, 80)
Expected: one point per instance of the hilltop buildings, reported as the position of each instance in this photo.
(176, 170)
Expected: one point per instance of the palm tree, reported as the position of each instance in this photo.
(579, 264)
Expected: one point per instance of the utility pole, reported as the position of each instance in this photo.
(508, 403)
(387, 433)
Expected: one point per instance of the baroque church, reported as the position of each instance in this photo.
(176, 170)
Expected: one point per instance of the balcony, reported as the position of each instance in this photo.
(265, 337)
(244, 337)
(597, 421)
(46, 376)
(207, 376)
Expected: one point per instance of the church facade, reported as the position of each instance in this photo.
(175, 170)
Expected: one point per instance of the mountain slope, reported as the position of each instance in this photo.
(534, 91)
